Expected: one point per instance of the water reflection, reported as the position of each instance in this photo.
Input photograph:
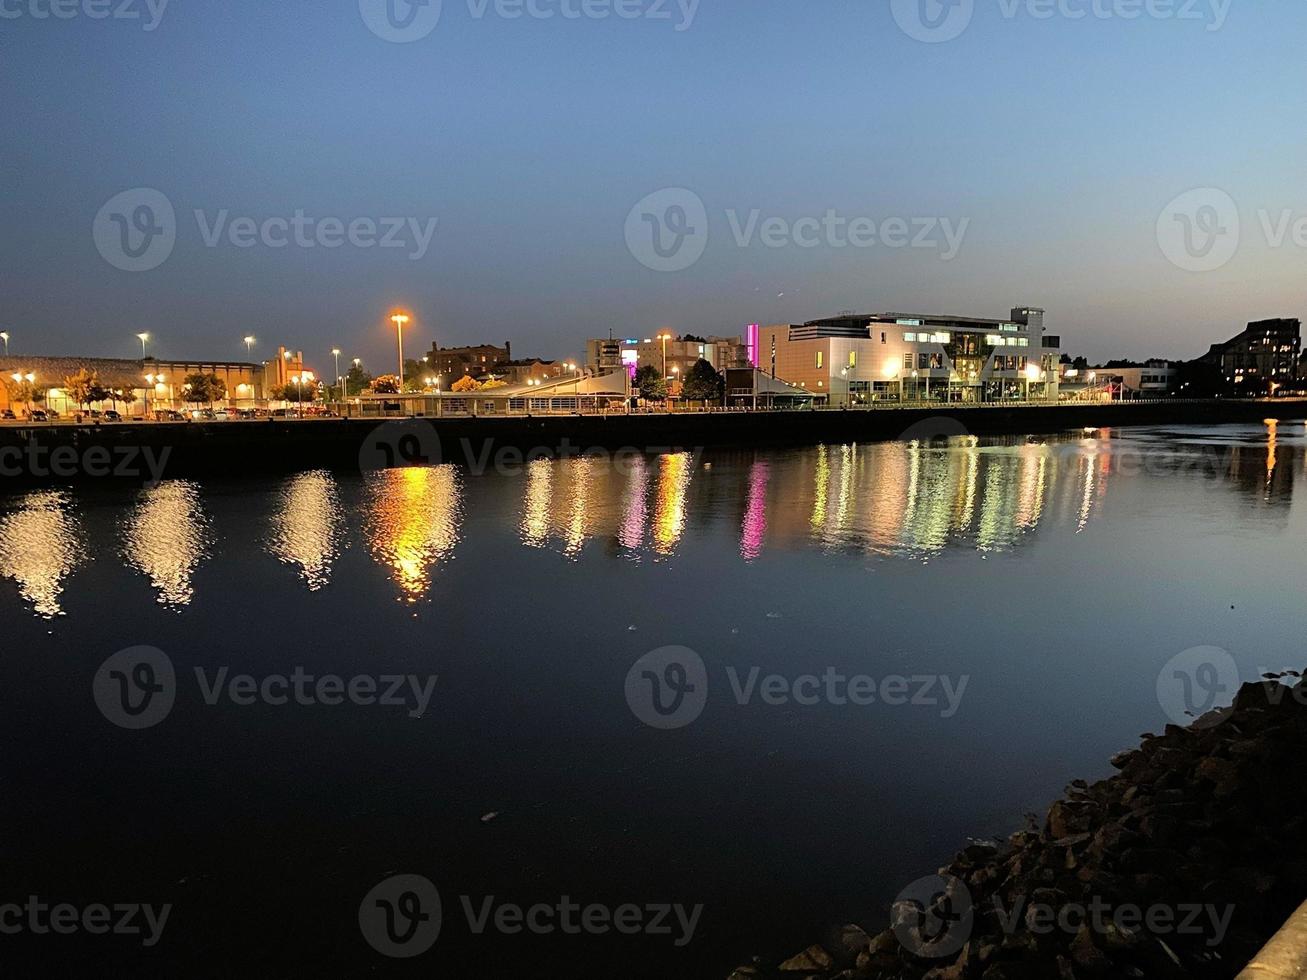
(166, 537)
(39, 549)
(306, 527)
(753, 529)
(884, 500)
(413, 522)
(674, 475)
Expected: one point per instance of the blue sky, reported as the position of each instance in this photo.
(1058, 141)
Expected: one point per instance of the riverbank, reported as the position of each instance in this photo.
(1182, 865)
(45, 453)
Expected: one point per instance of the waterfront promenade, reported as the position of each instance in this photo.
(51, 452)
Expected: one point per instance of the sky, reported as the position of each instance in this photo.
(693, 165)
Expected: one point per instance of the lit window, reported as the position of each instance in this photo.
(910, 338)
(853, 358)
(821, 359)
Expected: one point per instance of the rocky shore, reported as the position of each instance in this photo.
(1182, 865)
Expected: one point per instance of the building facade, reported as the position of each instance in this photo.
(854, 359)
(1261, 358)
(723, 353)
(452, 363)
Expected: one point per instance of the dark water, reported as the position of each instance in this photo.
(1056, 575)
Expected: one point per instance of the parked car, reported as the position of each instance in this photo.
(37, 415)
(54, 416)
(222, 414)
(8, 415)
(112, 416)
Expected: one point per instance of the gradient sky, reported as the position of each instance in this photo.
(530, 140)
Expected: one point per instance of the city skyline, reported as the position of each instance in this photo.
(1050, 198)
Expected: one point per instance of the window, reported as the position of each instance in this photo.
(821, 359)
(909, 338)
(882, 336)
(923, 361)
(853, 358)
(907, 362)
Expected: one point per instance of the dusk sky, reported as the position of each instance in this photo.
(1056, 144)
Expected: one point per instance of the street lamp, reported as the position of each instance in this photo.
(4, 335)
(335, 352)
(249, 345)
(399, 319)
(664, 337)
(142, 337)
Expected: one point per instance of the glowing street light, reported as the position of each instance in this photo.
(664, 337)
(142, 337)
(335, 352)
(249, 346)
(399, 319)
(4, 335)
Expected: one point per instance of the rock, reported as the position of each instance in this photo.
(853, 940)
(813, 958)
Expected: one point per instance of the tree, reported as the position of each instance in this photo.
(84, 387)
(385, 384)
(703, 383)
(650, 383)
(204, 388)
(357, 381)
(125, 395)
(464, 384)
(1080, 364)
(23, 392)
(494, 383)
(298, 393)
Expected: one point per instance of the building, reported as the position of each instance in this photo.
(1150, 379)
(1262, 358)
(452, 363)
(154, 384)
(723, 353)
(530, 370)
(854, 359)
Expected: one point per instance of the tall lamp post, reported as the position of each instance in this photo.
(142, 337)
(664, 337)
(399, 319)
(4, 335)
(335, 352)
